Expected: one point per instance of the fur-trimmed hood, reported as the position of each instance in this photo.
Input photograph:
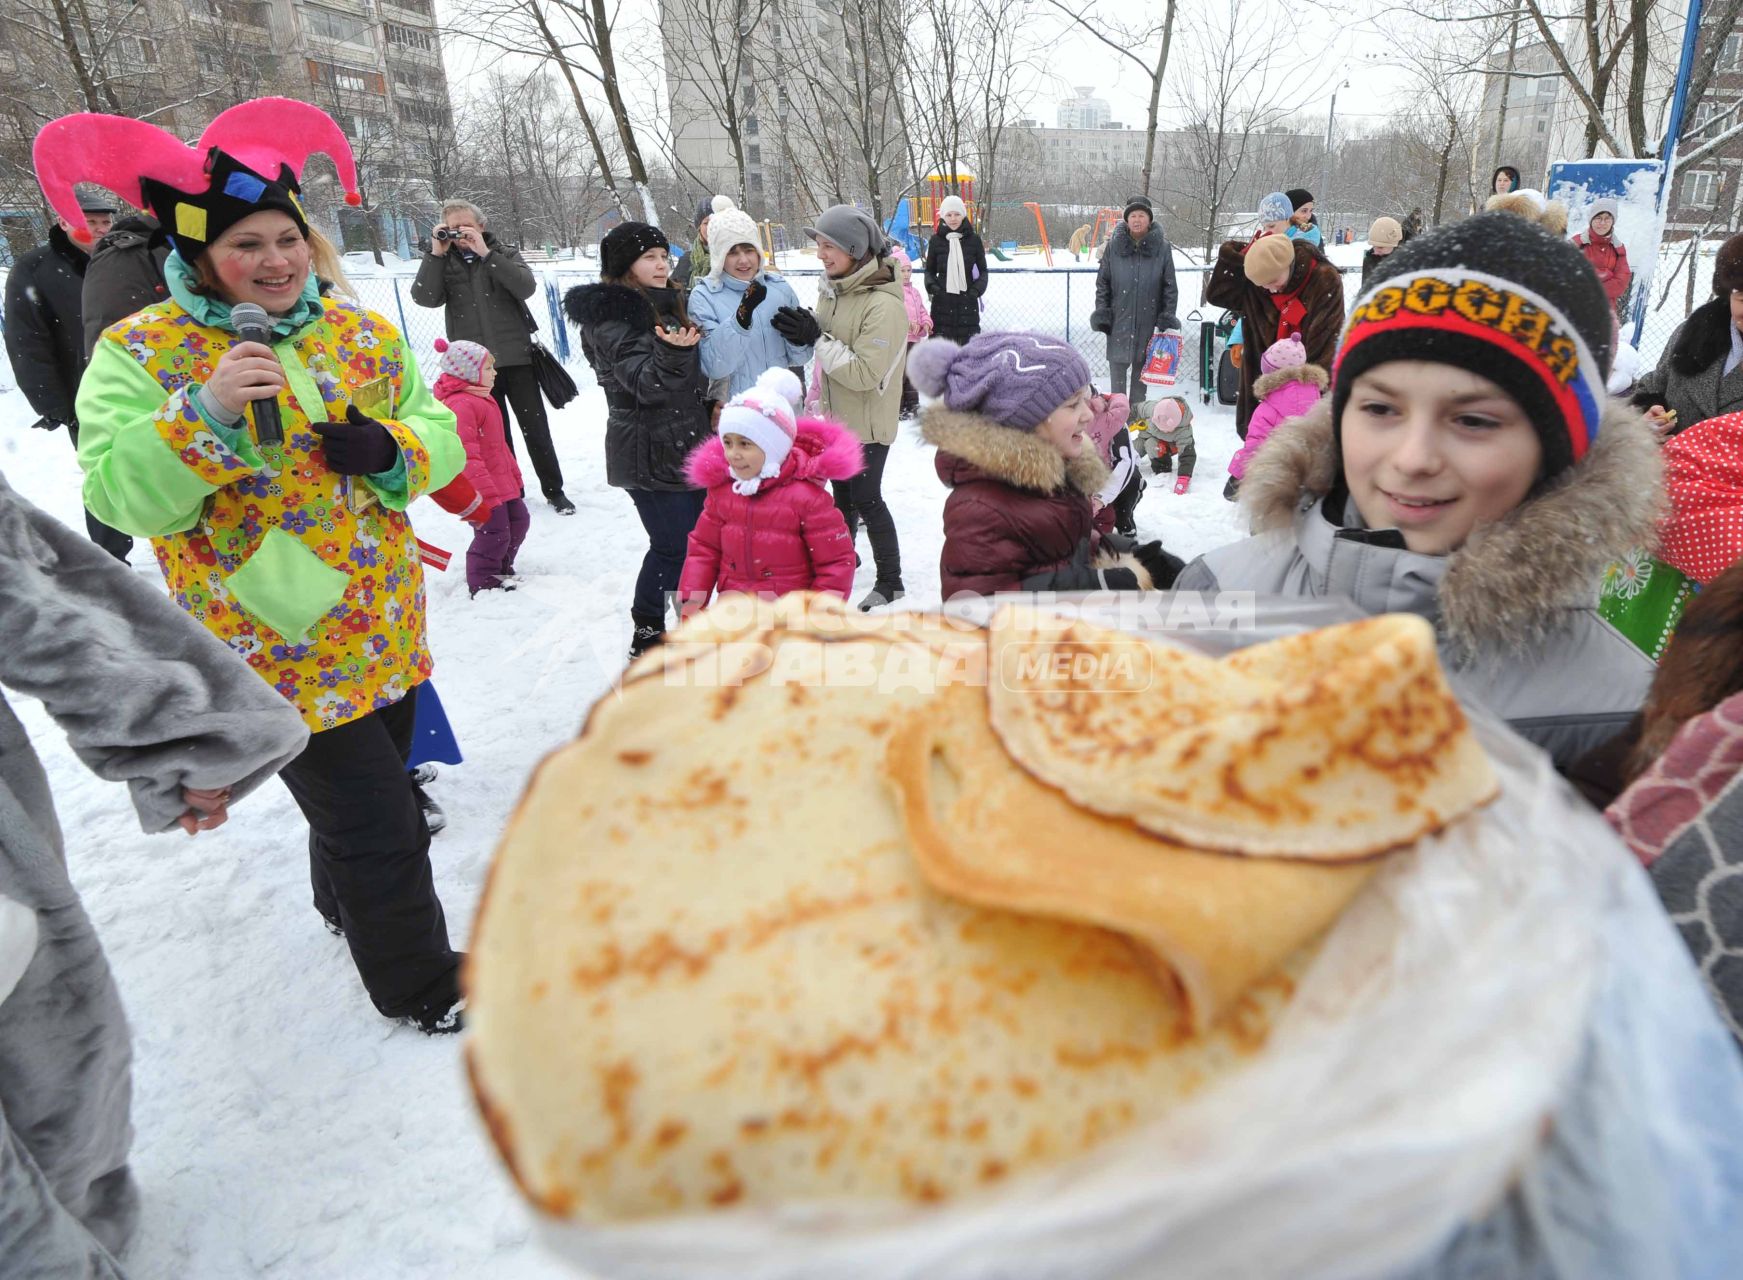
(1310, 374)
(1551, 215)
(1705, 338)
(822, 450)
(587, 304)
(1506, 583)
(971, 447)
(1153, 243)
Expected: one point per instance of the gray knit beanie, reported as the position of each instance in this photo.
(850, 229)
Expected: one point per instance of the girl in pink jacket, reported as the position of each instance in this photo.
(919, 322)
(769, 525)
(468, 373)
(1287, 387)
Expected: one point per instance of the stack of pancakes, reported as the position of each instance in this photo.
(822, 908)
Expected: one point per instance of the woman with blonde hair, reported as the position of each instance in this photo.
(267, 438)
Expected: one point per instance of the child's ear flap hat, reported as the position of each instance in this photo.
(768, 416)
(1501, 297)
(249, 159)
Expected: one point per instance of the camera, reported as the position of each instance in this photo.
(449, 233)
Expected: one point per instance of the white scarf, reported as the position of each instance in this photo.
(955, 274)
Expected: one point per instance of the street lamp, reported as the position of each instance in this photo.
(1325, 168)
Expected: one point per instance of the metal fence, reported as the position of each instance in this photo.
(1054, 301)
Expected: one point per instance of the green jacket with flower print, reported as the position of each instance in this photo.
(311, 577)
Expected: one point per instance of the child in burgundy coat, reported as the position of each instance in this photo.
(769, 526)
(468, 373)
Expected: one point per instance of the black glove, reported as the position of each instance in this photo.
(748, 304)
(797, 325)
(1119, 580)
(1101, 320)
(358, 446)
(1162, 567)
(1165, 323)
(46, 423)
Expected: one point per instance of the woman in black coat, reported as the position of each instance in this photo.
(955, 294)
(1692, 383)
(641, 344)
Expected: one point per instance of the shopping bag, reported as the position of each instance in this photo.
(1164, 362)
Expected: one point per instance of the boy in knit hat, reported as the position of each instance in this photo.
(1278, 287)
(1008, 419)
(1385, 235)
(468, 374)
(1468, 467)
(769, 526)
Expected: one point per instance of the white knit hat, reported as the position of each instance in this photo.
(767, 416)
(727, 228)
(952, 204)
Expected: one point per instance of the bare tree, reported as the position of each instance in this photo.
(1240, 98)
(708, 46)
(1145, 42)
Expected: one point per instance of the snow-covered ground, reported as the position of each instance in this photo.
(284, 1128)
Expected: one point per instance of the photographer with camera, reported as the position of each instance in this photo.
(482, 286)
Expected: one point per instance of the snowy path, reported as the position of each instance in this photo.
(283, 1127)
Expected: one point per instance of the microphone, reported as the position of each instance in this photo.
(252, 324)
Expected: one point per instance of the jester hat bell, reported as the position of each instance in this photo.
(249, 159)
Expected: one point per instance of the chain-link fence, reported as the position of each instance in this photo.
(1055, 301)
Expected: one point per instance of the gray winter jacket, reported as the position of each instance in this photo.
(483, 300)
(1515, 607)
(147, 696)
(1690, 377)
(1135, 293)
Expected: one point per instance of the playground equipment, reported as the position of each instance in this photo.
(937, 185)
(1105, 222)
(1046, 247)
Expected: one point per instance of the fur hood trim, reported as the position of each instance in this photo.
(822, 450)
(1509, 579)
(1705, 338)
(1309, 373)
(587, 304)
(1014, 457)
(1152, 244)
(1551, 215)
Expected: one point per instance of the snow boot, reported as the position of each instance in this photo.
(1182, 484)
(1162, 464)
(439, 1020)
(649, 633)
(424, 774)
(560, 503)
(879, 596)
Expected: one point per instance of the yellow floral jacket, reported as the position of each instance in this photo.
(311, 577)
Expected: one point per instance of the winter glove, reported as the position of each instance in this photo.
(1119, 580)
(748, 304)
(358, 446)
(1101, 320)
(1165, 323)
(797, 325)
(1163, 568)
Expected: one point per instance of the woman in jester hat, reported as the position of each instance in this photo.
(293, 547)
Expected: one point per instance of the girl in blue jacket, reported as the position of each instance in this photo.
(735, 307)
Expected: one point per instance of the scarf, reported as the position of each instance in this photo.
(955, 273)
(1291, 310)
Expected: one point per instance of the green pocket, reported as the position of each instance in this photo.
(287, 586)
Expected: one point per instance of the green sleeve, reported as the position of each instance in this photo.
(431, 454)
(150, 459)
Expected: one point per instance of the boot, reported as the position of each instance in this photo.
(1232, 488)
(1162, 464)
(439, 1021)
(434, 818)
(560, 503)
(649, 633)
(879, 596)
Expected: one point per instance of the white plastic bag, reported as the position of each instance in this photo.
(1405, 1095)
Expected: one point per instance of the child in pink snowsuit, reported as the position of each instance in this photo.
(769, 525)
(468, 373)
(1287, 387)
(919, 322)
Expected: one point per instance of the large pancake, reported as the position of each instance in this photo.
(984, 830)
(708, 972)
(1337, 744)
